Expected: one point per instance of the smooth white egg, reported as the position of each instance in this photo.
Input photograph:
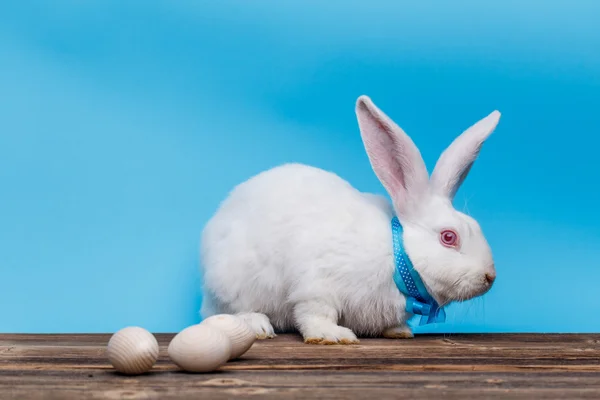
(132, 350)
(200, 348)
(238, 331)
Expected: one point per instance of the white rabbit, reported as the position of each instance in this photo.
(297, 248)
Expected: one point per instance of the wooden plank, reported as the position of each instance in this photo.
(456, 366)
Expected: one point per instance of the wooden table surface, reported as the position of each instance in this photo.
(452, 366)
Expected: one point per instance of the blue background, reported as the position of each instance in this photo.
(124, 124)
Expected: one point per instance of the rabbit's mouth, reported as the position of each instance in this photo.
(461, 289)
(473, 290)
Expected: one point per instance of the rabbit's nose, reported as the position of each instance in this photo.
(490, 278)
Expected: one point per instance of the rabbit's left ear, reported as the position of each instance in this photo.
(394, 157)
(456, 161)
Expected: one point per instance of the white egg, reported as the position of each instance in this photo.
(238, 331)
(200, 348)
(132, 350)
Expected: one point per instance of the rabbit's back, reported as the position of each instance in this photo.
(294, 233)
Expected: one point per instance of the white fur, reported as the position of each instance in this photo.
(300, 248)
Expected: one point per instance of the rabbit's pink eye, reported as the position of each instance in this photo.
(449, 238)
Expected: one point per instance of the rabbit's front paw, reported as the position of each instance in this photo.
(260, 324)
(398, 332)
(329, 333)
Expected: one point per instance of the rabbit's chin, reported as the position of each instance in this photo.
(464, 292)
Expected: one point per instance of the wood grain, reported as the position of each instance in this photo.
(456, 367)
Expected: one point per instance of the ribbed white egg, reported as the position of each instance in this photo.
(238, 331)
(200, 348)
(132, 350)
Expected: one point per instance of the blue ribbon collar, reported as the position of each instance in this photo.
(408, 281)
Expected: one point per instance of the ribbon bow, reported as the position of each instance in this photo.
(408, 281)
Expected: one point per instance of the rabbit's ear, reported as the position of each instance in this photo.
(394, 157)
(456, 161)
